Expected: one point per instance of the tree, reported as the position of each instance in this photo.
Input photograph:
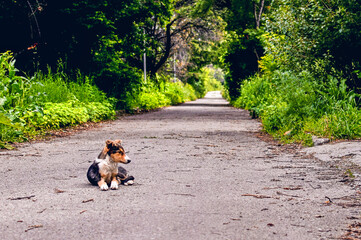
(105, 38)
(323, 37)
(244, 46)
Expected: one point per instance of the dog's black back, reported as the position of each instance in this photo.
(93, 174)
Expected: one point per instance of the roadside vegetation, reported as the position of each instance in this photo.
(296, 106)
(31, 106)
(69, 62)
(294, 65)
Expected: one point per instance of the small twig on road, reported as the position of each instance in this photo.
(293, 188)
(181, 194)
(21, 198)
(288, 195)
(256, 196)
(42, 210)
(89, 200)
(20, 154)
(33, 227)
(317, 187)
(57, 190)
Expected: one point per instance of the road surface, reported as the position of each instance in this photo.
(200, 172)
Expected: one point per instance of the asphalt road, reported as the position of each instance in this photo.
(200, 172)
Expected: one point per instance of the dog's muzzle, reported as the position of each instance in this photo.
(128, 159)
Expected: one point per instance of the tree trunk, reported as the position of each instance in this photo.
(168, 47)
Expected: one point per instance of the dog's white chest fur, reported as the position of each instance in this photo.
(107, 166)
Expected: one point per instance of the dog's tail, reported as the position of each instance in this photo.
(127, 181)
(123, 177)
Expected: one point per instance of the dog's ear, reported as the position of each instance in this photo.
(109, 143)
(118, 141)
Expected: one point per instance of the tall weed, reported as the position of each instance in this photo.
(151, 95)
(295, 106)
(45, 101)
(58, 87)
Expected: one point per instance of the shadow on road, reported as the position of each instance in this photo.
(199, 104)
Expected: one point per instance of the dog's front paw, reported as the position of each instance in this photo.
(114, 185)
(104, 187)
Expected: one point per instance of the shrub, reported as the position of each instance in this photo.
(151, 95)
(174, 92)
(205, 80)
(58, 87)
(46, 101)
(57, 115)
(295, 106)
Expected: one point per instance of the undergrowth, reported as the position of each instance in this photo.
(295, 106)
(164, 92)
(30, 106)
(151, 95)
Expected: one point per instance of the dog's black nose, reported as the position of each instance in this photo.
(129, 161)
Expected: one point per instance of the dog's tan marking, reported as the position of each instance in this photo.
(102, 184)
(119, 157)
(103, 153)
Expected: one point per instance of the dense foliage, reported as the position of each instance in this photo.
(29, 106)
(323, 37)
(46, 101)
(243, 46)
(99, 45)
(308, 77)
(294, 63)
(104, 38)
(295, 106)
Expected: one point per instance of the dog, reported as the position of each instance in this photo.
(105, 172)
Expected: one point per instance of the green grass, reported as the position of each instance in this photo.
(46, 101)
(151, 96)
(295, 106)
(51, 100)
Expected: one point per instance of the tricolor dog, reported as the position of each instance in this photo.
(105, 172)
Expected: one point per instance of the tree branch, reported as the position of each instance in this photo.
(258, 15)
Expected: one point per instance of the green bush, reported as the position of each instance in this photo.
(189, 93)
(174, 92)
(293, 107)
(154, 95)
(58, 87)
(205, 81)
(57, 115)
(45, 101)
